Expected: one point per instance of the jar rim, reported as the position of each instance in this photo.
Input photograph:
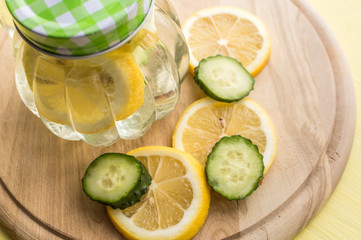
(81, 44)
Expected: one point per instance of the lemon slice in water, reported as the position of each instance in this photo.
(89, 94)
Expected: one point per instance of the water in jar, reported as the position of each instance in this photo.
(114, 95)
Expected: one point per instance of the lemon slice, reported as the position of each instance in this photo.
(206, 121)
(89, 94)
(177, 202)
(49, 90)
(230, 32)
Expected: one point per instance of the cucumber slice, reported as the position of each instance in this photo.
(117, 180)
(136, 194)
(223, 78)
(234, 167)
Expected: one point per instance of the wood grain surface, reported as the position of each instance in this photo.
(306, 88)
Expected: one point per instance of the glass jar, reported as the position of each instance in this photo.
(104, 84)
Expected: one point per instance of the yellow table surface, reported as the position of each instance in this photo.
(341, 217)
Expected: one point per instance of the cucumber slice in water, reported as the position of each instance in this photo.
(117, 180)
(234, 167)
(223, 78)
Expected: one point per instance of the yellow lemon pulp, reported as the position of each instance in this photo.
(206, 121)
(177, 202)
(229, 32)
(89, 94)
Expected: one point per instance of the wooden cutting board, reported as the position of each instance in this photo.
(306, 88)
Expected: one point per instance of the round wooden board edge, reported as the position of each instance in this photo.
(340, 144)
(25, 222)
(277, 224)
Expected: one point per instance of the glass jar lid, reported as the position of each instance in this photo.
(77, 27)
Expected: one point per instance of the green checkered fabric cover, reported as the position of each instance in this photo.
(77, 27)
